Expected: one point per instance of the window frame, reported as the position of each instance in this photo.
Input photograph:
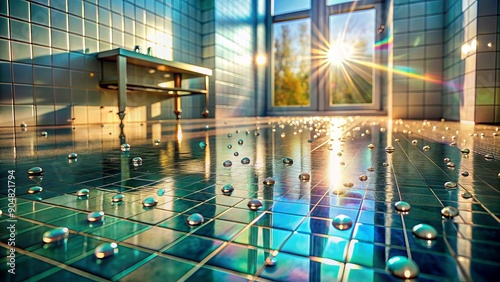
(318, 90)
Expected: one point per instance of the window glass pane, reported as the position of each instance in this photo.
(335, 2)
(287, 6)
(352, 37)
(292, 62)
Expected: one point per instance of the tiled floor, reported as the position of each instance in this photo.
(295, 221)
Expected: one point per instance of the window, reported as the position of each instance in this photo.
(335, 2)
(352, 37)
(292, 62)
(323, 56)
(287, 6)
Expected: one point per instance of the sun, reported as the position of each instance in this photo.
(340, 52)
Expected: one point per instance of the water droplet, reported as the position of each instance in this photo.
(83, 193)
(288, 161)
(245, 160)
(125, 147)
(160, 192)
(309, 140)
(465, 151)
(446, 160)
(363, 177)
(450, 164)
(157, 141)
(227, 189)
(385, 164)
(236, 154)
(149, 202)
(449, 211)
(342, 222)
(450, 185)
(489, 157)
(426, 148)
(453, 144)
(35, 189)
(414, 142)
(402, 206)
(240, 142)
(424, 231)
(202, 144)
(269, 181)
(270, 261)
(396, 140)
(227, 163)
(371, 169)
(137, 161)
(95, 216)
(466, 195)
(195, 219)
(229, 146)
(389, 149)
(339, 192)
(106, 250)
(304, 177)
(403, 267)
(117, 198)
(371, 146)
(207, 127)
(465, 173)
(43, 133)
(348, 184)
(254, 204)
(55, 235)
(35, 171)
(24, 125)
(72, 156)
(229, 135)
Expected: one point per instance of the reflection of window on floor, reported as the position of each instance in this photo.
(352, 38)
(292, 66)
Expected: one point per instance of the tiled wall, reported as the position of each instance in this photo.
(471, 63)
(417, 59)
(49, 74)
(48, 70)
(488, 63)
(238, 35)
(459, 67)
(208, 42)
(389, 30)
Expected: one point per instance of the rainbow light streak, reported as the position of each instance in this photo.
(384, 44)
(400, 71)
(321, 46)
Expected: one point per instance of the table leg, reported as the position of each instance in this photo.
(121, 64)
(177, 101)
(207, 87)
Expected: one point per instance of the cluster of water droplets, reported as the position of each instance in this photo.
(399, 266)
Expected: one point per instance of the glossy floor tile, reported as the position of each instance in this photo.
(329, 216)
